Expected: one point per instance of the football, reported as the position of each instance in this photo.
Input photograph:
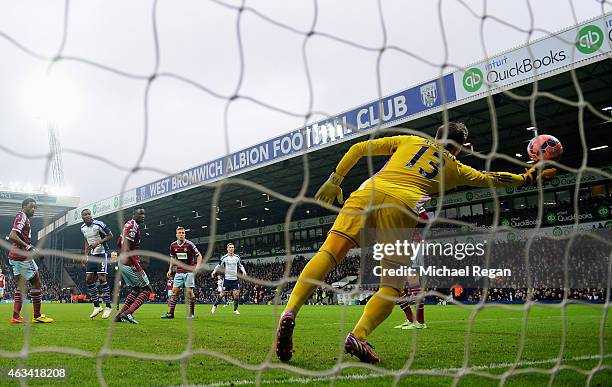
(548, 146)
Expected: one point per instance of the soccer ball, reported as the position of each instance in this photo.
(550, 147)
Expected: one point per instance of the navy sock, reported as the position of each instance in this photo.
(106, 294)
(93, 294)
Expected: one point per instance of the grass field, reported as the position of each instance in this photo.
(232, 348)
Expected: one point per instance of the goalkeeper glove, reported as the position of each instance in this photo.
(330, 190)
(533, 174)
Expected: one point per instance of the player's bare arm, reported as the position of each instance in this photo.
(170, 266)
(14, 237)
(198, 263)
(86, 251)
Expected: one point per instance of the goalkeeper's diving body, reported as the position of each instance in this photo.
(388, 201)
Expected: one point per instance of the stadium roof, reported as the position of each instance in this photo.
(50, 207)
(477, 95)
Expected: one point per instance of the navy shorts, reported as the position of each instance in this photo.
(98, 264)
(229, 285)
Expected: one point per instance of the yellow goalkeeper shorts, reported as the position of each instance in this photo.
(367, 209)
(369, 216)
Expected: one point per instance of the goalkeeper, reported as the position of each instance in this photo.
(387, 202)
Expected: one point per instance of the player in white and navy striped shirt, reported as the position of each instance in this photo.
(231, 263)
(96, 235)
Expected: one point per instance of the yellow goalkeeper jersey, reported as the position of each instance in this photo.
(419, 168)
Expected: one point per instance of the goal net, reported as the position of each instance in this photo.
(200, 83)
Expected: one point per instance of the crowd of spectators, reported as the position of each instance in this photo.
(271, 273)
(274, 272)
(546, 262)
(251, 292)
(51, 289)
(504, 295)
(546, 272)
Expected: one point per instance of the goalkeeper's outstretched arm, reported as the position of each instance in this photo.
(331, 190)
(378, 147)
(471, 177)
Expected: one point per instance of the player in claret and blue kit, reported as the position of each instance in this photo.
(132, 273)
(187, 258)
(23, 264)
(2, 284)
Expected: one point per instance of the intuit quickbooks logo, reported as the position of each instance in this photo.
(502, 70)
(472, 79)
(589, 39)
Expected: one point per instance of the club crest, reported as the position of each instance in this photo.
(429, 94)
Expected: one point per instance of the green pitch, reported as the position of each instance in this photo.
(232, 348)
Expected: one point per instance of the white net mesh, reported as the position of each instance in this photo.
(242, 90)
